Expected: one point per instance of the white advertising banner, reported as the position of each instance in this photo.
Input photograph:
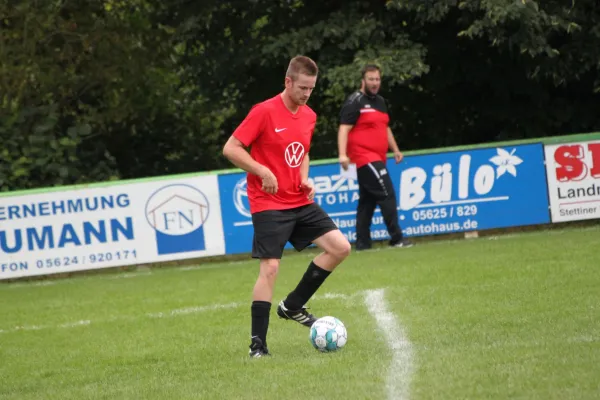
(573, 171)
(102, 227)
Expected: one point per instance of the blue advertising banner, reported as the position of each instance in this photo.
(436, 193)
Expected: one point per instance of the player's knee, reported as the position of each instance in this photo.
(270, 268)
(342, 249)
(346, 249)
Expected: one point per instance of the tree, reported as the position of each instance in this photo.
(113, 89)
(91, 91)
(508, 69)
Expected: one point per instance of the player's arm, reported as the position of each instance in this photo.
(235, 151)
(343, 132)
(305, 184)
(349, 115)
(394, 146)
(304, 168)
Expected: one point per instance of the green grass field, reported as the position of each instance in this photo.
(517, 316)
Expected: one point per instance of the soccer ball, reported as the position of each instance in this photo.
(328, 334)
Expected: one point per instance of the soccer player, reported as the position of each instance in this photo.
(363, 138)
(279, 132)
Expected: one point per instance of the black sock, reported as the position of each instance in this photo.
(309, 284)
(260, 311)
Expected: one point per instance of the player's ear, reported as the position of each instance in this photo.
(288, 82)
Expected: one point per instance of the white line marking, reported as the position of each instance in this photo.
(28, 328)
(127, 275)
(583, 339)
(401, 367)
(164, 314)
(74, 324)
(30, 284)
(215, 266)
(194, 310)
(328, 296)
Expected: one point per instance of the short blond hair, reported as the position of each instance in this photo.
(301, 65)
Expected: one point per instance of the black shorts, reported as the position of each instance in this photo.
(300, 226)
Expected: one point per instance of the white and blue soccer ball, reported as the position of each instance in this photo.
(328, 334)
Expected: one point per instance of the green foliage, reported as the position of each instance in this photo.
(92, 91)
(100, 90)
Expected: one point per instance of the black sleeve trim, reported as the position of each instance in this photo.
(351, 109)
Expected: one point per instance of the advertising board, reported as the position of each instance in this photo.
(573, 171)
(109, 226)
(436, 193)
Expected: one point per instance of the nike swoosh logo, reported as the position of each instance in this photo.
(280, 130)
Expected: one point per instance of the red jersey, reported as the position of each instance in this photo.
(278, 140)
(367, 140)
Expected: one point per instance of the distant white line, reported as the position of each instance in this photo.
(401, 367)
(74, 324)
(213, 307)
(28, 328)
(583, 339)
(29, 284)
(194, 310)
(127, 275)
(213, 266)
(333, 296)
(165, 314)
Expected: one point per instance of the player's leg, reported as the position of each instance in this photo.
(313, 226)
(260, 310)
(364, 215)
(271, 232)
(335, 248)
(389, 208)
(371, 190)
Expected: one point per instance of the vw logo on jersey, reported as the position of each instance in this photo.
(240, 198)
(294, 154)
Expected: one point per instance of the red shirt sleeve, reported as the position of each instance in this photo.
(251, 127)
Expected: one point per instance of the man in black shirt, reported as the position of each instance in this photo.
(364, 137)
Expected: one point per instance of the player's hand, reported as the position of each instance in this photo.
(398, 156)
(309, 189)
(269, 181)
(344, 162)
